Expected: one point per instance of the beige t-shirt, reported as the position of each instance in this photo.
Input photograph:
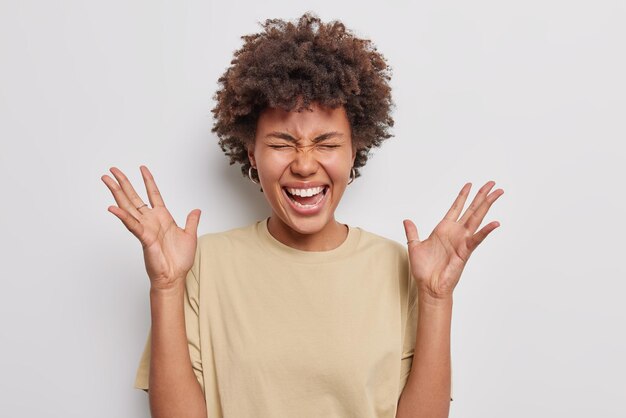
(278, 332)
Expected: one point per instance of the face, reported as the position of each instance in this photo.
(304, 161)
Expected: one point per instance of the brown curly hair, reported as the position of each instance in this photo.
(298, 63)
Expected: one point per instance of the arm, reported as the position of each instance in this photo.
(169, 254)
(436, 266)
(174, 389)
(427, 390)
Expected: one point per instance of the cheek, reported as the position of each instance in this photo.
(271, 166)
(337, 165)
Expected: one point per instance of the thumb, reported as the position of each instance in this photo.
(411, 230)
(191, 225)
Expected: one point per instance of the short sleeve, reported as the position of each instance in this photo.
(191, 309)
(410, 334)
(410, 331)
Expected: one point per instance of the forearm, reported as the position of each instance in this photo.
(427, 390)
(174, 390)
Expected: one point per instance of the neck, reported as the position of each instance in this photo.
(331, 236)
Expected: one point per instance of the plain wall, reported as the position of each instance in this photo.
(528, 94)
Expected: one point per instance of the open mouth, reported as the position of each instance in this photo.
(306, 198)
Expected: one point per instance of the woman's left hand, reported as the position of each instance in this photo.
(438, 261)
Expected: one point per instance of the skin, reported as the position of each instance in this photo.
(281, 161)
(436, 263)
(168, 254)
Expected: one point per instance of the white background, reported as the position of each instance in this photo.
(528, 94)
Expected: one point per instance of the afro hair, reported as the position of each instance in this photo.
(288, 65)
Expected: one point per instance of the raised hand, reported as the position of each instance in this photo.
(168, 250)
(438, 261)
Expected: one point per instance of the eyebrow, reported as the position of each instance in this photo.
(319, 138)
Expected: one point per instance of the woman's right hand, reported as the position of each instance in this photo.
(168, 250)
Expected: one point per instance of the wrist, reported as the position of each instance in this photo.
(426, 299)
(175, 290)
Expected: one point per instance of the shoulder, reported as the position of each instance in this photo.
(216, 250)
(379, 244)
(380, 253)
(231, 237)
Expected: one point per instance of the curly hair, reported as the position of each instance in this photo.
(298, 63)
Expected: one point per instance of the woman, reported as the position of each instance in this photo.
(299, 315)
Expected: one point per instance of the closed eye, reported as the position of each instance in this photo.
(328, 146)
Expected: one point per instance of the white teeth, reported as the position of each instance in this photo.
(319, 199)
(305, 192)
(303, 206)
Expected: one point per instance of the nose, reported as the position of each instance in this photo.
(304, 163)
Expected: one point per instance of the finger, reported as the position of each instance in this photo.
(128, 188)
(478, 200)
(410, 230)
(478, 237)
(120, 197)
(477, 217)
(459, 202)
(153, 191)
(191, 225)
(132, 224)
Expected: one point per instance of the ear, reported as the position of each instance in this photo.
(354, 150)
(251, 155)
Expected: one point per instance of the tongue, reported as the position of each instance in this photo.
(310, 200)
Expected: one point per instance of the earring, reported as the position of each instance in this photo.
(250, 175)
(352, 175)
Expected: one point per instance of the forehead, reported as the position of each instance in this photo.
(305, 123)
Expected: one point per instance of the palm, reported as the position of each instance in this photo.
(438, 261)
(168, 249)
